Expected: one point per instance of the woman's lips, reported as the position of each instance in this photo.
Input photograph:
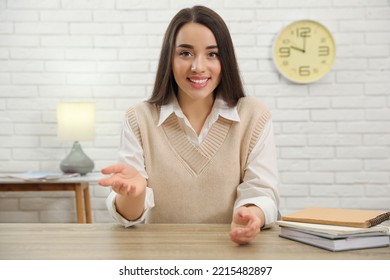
(198, 83)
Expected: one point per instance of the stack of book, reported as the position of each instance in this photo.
(337, 229)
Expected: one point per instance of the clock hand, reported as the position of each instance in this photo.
(298, 49)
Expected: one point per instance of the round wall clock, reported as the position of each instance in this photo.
(304, 51)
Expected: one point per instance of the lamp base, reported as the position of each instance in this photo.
(77, 161)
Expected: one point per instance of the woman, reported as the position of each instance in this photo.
(198, 151)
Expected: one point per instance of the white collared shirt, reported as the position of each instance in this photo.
(261, 172)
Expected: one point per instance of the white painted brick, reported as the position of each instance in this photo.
(335, 165)
(123, 66)
(377, 88)
(19, 217)
(339, 90)
(46, 203)
(38, 4)
(38, 79)
(16, 41)
(358, 51)
(21, 66)
(51, 216)
(307, 127)
(291, 140)
(364, 127)
(381, 203)
(362, 152)
(18, 15)
(294, 190)
(304, 3)
(337, 190)
(369, 25)
(95, 28)
(66, 16)
(102, 216)
(362, 177)
(90, 54)
(339, 14)
(120, 16)
(18, 91)
(141, 5)
(332, 136)
(87, 4)
(19, 141)
(374, 191)
(358, 102)
(5, 78)
(290, 115)
(377, 164)
(70, 66)
(360, 77)
(383, 64)
(66, 41)
(350, 64)
(65, 90)
(303, 103)
(377, 38)
(297, 203)
(336, 115)
(122, 41)
(307, 152)
(139, 53)
(36, 53)
(41, 28)
(9, 204)
(92, 79)
(335, 140)
(377, 139)
(292, 164)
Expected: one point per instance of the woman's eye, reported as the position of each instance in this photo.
(185, 53)
(213, 54)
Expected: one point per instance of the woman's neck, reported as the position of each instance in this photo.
(196, 111)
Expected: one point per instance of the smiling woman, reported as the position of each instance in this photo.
(211, 157)
(197, 71)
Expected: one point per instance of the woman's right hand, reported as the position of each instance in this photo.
(124, 180)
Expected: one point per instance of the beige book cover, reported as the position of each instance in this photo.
(338, 216)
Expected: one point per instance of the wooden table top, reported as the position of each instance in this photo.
(156, 241)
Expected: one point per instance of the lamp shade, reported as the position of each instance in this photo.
(76, 121)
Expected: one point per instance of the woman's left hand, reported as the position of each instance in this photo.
(246, 224)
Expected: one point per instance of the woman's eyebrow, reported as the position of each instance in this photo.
(188, 46)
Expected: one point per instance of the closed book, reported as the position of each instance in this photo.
(332, 231)
(337, 216)
(337, 243)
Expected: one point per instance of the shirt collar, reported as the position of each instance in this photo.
(220, 108)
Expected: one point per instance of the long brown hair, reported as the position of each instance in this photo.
(230, 87)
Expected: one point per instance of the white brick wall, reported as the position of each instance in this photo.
(333, 136)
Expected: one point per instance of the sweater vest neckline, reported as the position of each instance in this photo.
(196, 157)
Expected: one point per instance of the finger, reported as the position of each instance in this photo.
(115, 168)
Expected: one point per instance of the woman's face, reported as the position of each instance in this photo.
(196, 66)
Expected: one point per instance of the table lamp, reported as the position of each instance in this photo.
(76, 122)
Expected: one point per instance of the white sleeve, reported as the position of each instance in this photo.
(130, 152)
(259, 186)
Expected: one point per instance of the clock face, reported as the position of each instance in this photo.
(304, 51)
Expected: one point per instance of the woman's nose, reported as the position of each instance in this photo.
(198, 64)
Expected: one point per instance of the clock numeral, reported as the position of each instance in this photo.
(284, 52)
(323, 51)
(304, 71)
(303, 32)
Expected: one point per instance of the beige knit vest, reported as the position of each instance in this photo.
(196, 184)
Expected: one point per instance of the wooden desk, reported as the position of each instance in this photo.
(80, 185)
(156, 242)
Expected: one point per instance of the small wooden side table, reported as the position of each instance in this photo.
(80, 185)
